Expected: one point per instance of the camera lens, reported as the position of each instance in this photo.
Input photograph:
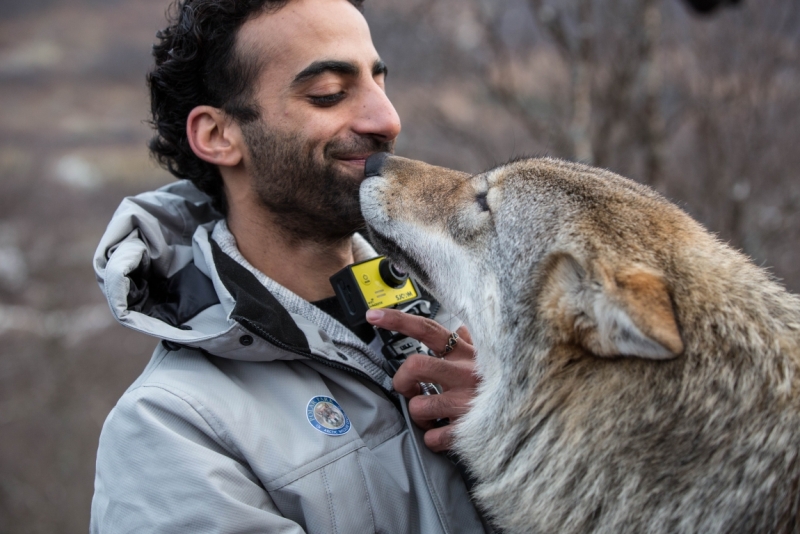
(397, 271)
(391, 274)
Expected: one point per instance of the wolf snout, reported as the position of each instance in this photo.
(372, 198)
(374, 164)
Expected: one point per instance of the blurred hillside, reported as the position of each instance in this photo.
(707, 110)
(72, 144)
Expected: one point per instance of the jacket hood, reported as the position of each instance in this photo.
(162, 268)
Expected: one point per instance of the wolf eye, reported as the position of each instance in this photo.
(482, 202)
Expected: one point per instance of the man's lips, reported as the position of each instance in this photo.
(359, 160)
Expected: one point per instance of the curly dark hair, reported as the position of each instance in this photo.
(196, 64)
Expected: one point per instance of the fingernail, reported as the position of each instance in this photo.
(374, 315)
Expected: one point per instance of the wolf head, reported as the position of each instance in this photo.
(527, 235)
(637, 374)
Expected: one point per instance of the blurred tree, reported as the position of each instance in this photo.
(706, 110)
(613, 88)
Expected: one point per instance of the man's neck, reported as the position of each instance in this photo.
(303, 267)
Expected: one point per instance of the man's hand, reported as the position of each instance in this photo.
(455, 372)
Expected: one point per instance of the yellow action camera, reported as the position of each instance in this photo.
(374, 283)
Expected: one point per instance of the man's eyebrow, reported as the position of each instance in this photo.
(339, 67)
(321, 67)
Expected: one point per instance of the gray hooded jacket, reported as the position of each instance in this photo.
(218, 433)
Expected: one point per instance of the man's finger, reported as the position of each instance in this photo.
(421, 368)
(447, 405)
(429, 332)
(464, 334)
(439, 439)
(463, 349)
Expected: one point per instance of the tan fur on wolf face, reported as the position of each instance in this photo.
(637, 374)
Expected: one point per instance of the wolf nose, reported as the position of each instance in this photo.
(374, 164)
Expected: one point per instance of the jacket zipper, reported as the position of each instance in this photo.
(253, 327)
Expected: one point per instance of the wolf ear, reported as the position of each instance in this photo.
(623, 313)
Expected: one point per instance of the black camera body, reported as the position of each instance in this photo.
(377, 283)
(371, 284)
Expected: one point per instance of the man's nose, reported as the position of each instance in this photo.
(376, 115)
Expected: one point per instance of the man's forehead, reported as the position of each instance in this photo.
(305, 31)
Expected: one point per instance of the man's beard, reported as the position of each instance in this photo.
(311, 200)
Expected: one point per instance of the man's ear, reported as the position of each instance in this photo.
(627, 312)
(214, 137)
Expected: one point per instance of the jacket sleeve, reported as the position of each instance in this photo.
(162, 468)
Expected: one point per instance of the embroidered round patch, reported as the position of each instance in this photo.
(327, 416)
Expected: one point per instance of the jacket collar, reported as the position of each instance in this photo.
(170, 268)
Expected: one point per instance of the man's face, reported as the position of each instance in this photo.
(323, 112)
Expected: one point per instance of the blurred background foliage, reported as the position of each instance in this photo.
(705, 108)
